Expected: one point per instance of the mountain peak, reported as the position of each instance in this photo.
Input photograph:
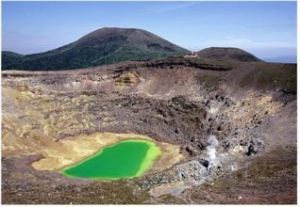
(227, 53)
(103, 46)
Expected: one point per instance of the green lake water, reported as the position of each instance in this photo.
(126, 159)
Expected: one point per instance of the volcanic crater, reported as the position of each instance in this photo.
(224, 128)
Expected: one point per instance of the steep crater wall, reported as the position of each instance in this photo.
(173, 103)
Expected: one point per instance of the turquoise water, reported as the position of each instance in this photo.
(125, 159)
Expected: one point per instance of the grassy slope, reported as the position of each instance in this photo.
(227, 53)
(104, 46)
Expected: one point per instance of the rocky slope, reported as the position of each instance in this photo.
(234, 123)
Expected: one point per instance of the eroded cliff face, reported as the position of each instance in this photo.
(210, 120)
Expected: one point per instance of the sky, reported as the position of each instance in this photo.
(266, 29)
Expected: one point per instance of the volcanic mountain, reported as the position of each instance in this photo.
(103, 46)
(227, 53)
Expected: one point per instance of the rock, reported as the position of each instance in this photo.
(243, 143)
(212, 140)
(201, 146)
(191, 150)
(226, 145)
(205, 163)
(238, 150)
(219, 128)
(191, 171)
(251, 150)
(228, 102)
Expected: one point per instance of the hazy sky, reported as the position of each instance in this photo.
(267, 29)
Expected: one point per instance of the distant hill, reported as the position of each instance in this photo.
(227, 53)
(282, 59)
(103, 46)
(11, 58)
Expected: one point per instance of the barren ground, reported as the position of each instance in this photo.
(227, 132)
